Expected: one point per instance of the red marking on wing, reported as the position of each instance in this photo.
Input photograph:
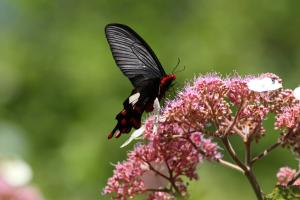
(123, 122)
(123, 112)
(127, 119)
(136, 123)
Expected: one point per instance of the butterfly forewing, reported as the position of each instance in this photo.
(132, 54)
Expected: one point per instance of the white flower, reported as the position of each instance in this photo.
(15, 172)
(264, 84)
(296, 93)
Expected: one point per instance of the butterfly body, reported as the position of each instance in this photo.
(138, 62)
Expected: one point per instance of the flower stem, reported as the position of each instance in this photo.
(156, 171)
(232, 153)
(266, 152)
(230, 165)
(296, 176)
(273, 146)
(252, 179)
(246, 168)
(172, 180)
(248, 153)
(232, 124)
(219, 160)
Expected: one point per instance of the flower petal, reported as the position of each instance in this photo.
(137, 133)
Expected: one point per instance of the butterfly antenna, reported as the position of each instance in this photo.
(174, 69)
(181, 70)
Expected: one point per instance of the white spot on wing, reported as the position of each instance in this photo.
(134, 98)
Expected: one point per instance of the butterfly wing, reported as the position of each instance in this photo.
(132, 54)
(139, 63)
(141, 99)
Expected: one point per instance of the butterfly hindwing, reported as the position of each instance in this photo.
(140, 100)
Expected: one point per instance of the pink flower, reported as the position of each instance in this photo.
(289, 119)
(286, 174)
(161, 196)
(18, 193)
(238, 90)
(126, 180)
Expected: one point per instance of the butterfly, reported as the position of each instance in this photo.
(140, 65)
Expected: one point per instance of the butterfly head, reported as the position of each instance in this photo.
(165, 84)
(167, 80)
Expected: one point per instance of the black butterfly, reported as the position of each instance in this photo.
(138, 62)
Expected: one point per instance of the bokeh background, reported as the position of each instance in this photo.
(60, 88)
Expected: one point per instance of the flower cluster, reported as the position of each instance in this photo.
(289, 121)
(285, 175)
(156, 169)
(181, 138)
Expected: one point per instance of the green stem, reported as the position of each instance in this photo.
(247, 169)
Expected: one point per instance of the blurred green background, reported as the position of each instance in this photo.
(60, 88)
